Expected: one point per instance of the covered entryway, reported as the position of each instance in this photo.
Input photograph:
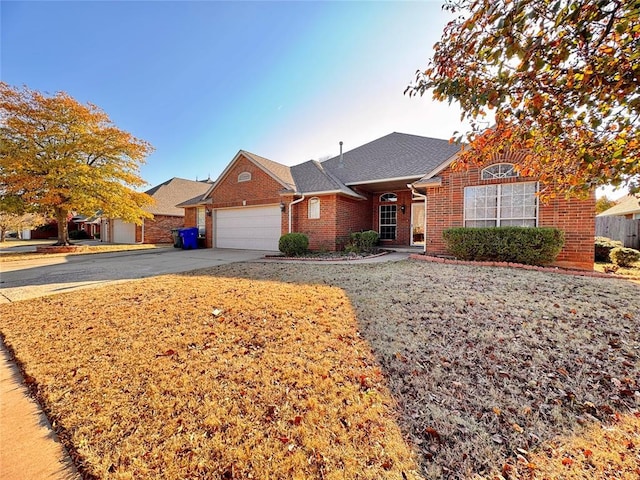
(248, 228)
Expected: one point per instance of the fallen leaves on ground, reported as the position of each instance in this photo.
(8, 256)
(491, 370)
(210, 377)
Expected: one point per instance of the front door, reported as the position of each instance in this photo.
(417, 223)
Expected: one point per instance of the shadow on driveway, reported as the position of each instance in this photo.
(22, 280)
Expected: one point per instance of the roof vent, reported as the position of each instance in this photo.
(341, 162)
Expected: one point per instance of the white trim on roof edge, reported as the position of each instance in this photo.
(382, 180)
(248, 156)
(324, 192)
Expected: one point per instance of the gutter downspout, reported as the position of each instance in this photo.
(417, 194)
(290, 205)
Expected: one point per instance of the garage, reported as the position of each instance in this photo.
(248, 228)
(124, 232)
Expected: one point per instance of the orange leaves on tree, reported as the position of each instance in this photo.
(60, 156)
(562, 82)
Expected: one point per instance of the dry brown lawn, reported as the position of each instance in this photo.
(91, 249)
(268, 370)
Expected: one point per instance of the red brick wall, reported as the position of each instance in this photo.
(321, 231)
(339, 216)
(191, 217)
(403, 226)
(353, 216)
(575, 217)
(191, 220)
(262, 189)
(158, 230)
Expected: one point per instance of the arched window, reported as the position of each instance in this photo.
(313, 207)
(388, 197)
(499, 170)
(244, 177)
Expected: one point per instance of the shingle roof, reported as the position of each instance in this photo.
(627, 205)
(312, 177)
(281, 172)
(173, 192)
(396, 155)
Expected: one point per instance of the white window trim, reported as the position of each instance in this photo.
(380, 224)
(244, 177)
(491, 176)
(395, 197)
(498, 206)
(203, 211)
(314, 202)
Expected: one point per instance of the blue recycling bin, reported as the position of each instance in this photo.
(189, 238)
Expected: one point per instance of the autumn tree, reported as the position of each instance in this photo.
(556, 80)
(604, 203)
(61, 156)
(15, 215)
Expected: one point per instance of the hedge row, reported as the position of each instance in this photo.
(526, 245)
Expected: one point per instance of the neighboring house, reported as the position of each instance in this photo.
(91, 225)
(400, 185)
(621, 222)
(627, 207)
(166, 215)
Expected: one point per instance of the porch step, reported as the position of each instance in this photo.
(403, 248)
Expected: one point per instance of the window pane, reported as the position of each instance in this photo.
(480, 223)
(499, 170)
(388, 197)
(313, 208)
(387, 233)
(388, 222)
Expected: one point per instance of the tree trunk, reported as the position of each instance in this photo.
(63, 226)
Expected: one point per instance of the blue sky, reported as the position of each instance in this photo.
(202, 80)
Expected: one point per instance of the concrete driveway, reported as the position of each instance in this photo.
(20, 280)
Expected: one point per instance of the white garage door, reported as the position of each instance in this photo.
(124, 232)
(248, 228)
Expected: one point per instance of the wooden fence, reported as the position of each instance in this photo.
(619, 228)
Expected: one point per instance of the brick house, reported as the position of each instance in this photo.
(627, 207)
(166, 215)
(400, 185)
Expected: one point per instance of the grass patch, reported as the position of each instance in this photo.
(488, 363)
(609, 267)
(494, 372)
(90, 249)
(205, 377)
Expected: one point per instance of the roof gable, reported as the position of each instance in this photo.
(279, 172)
(173, 192)
(312, 177)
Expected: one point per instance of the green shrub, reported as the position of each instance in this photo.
(293, 244)
(362, 241)
(603, 247)
(624, 257)
(527, 245)
(78, 235)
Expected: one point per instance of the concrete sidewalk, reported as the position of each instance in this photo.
(29, 449)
